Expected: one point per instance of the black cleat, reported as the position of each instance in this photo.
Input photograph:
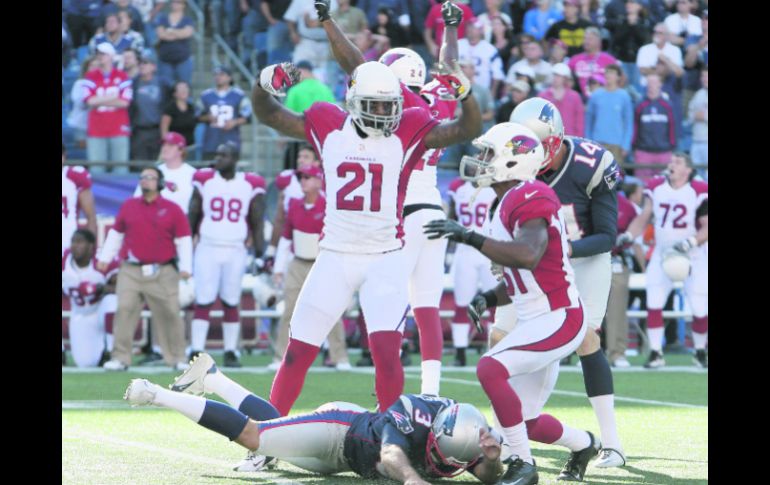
(701, 359)
(231, 360)
(655, 360)
(153, 358)
(193, 354)
(519, 472)
(575, 468)
(104, 358)
(459, 358)
(365, 360)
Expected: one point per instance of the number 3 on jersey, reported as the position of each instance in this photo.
(359, 178)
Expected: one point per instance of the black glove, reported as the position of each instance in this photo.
(322, 9)
(452, 14)
(476, 309)
(454, 231)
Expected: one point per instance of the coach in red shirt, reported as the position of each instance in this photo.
(153, 237)
(108, 93)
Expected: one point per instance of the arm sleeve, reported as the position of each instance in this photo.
(111, 246)
(184, 252)
(604, 211)
(282, 256)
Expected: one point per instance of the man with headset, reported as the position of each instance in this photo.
(152, 235)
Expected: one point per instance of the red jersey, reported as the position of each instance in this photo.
(108, 121)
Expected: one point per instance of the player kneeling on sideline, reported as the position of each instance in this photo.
(418, 436)
(525, 233)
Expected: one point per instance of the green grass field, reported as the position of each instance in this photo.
(662, 418)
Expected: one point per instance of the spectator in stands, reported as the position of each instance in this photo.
(78, 117)
(128, 30)
(66, 46)
(698, 115)
(413, 20)
(179, 114)
(522, 72)
(695, 59)
(371, 8)
(253, 23)
(610, 115)
(114, 35)
(137, 21)
(108, 94)
(628, 36)
(350, 19)
(683, 23)
(224, 109)
(567, 100)
(130, 63)
(153, 234)
(149, 10)
(591, 11)
(615, 11)
(540, 18)
(671, 75)
(648, 56)
(145, 112)
(279, 43)
(570, 30)
(489, 67)
(434, 27)
(174, 30)
(387, 27)
(503, 40)
(493, 11)
(82, 20)
(616, 322)
(308, 90)
(533, 57)
(309, 38)
(226, 19)
(519, 92)
(557, 52)
(592, 60)
(369, 47)
(654, 130)
(297, 251)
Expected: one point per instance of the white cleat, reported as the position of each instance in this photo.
(610, 458)
(343, 366)
(274, 366)
(140, 392)
(621, 363)
(254, 463)
(191, 381)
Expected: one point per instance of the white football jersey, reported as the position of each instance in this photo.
(226, 205)
(365, 178)
(179, 187)
(674, 210)
(74, 179)
(471, 213)
(74, 279)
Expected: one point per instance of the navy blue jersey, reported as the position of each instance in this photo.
(223, 107)
(585, 185)
(405, 424)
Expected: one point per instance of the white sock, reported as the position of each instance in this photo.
(573, 439)
(190, 406)
(517, 438)
(109, 341)
(231, 332)
(198, 334)
(431, 377)
(700, 339)
(460, 333)
(604, 408)
(226, 388)
(655, 335)
(157, 349)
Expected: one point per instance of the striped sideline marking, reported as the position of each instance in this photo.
(120, 404)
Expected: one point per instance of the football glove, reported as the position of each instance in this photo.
(476, 309)
(277, 78)
(322, 9)
(452, 77)
(685, 245)
(454, 231)
(451, 13)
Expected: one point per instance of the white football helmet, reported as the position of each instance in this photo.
(676, 265)
(542, 117)
(509, 151)
(186, 292)
(454, 439)
(406, 64)
(372, 83)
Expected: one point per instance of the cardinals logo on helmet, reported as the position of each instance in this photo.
(391, 58)
(280, 78)
(521, 144)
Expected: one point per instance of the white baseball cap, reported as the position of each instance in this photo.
(106, 48)
(561, 69)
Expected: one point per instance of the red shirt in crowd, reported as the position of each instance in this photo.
(150, 229)
(108, 121)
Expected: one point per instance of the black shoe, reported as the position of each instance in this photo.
(519, 472)
(459, 358)
(104, 358)
(153, 358)
(405, 359)
(575, 468)
(365, 360)
(64, 358)
(655, 360)
(231, 360)
(193, 354)
(701, 359)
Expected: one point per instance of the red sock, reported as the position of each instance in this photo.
(461, 315)
(544, 428)
(700, 324)
(364, 342)
(108, 318)
(290, 377)
(654, 318)
(201, 312)
(493, 377)
(388, 372)
(431, 334)
(231, 314)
